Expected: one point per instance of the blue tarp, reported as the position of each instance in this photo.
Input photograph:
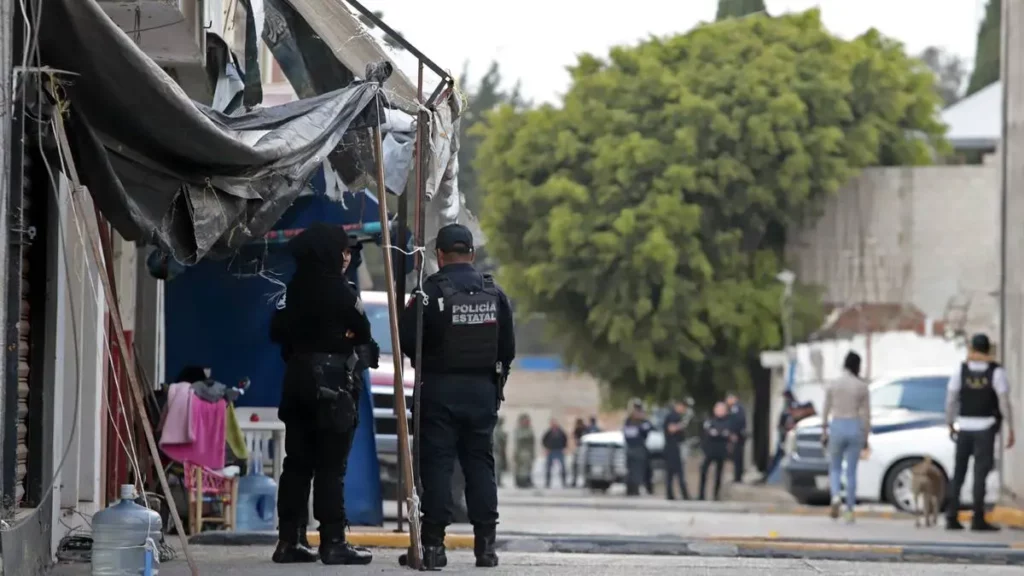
(218, 315)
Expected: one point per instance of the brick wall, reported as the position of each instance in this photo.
(926, 236)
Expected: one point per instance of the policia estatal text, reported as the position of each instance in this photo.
(468, 345)
(321, 329)
(977, 404)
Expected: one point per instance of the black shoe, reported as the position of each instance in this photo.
(335, 551)
(953, 524)
(434, 558)
(983, 526)
(483, 547)
(293, 553)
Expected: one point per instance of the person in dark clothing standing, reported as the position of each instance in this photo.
(675, 424)
(592, 427)
(738, 435)
(468, 347)
(554, 442)
(578, 432)
(717, 431)
(324, 334)
(635, 431)
(977, 402)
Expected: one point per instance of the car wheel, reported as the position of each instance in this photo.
(899, 485)
(598, 485)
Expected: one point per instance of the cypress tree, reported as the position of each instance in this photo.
(738, 8)
(987, 57)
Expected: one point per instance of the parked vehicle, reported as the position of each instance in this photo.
(603, 454)
(382, 387)
(907, 424)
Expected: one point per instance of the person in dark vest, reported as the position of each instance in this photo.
(715, 444)
(635, 430)
(579, 430)
(738, 439)
(468, 347)
(675, 425)
(977, 404)
(324, 336)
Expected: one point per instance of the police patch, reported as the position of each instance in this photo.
(475, 313)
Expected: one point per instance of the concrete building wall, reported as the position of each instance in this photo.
(925, 236)
(545, 394)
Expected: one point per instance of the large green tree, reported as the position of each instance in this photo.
(739, 8)
(646, 216)
(987, 55)
(481, 97)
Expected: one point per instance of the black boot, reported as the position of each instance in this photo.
(293, 546)
(483, 547)
(434, 558)
(334, 550)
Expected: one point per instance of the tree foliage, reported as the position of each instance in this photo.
(646, 217)
(484, 96)
(949, 71)
(739, 8)
(987, 56)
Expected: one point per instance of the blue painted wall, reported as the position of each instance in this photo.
(217, 314)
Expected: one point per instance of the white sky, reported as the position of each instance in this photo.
(534, 40)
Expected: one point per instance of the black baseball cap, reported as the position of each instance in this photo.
(455, 238)
(980, 343)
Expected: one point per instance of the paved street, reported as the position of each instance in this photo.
(254, 561)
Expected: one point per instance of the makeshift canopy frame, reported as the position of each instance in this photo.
(408, 460)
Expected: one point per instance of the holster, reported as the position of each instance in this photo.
(500, 377)
(337, 398)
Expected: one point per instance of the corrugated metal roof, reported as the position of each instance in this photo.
(976, 121)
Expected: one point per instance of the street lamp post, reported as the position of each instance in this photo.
(787, 278)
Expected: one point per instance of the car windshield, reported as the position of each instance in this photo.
(917, 394)
(380, 325)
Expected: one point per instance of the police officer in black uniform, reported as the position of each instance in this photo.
(738, 420)
(468, 346)
(321, 328)
(717, 431)
(675, 436)
(977, 403)
(635, 430)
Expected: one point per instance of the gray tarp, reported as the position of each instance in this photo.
(166, 170)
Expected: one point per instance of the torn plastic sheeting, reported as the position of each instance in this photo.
(166, 170)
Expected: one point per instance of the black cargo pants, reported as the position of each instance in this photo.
(457, 420)
(981, 445)
(318, 437)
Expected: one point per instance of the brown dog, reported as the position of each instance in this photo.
(929, 486)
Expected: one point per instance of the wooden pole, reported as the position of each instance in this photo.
(404, 455)
(133, 384)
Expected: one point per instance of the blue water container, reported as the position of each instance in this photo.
(257, 499)
(124, 538)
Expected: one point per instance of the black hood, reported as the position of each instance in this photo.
(320, 249)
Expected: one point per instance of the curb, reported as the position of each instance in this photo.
(1001, 515)
(697, 507)
(394, 540)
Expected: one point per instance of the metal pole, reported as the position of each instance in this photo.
(1009, 351)
(418, 239)
(404, 453)
(8, 390)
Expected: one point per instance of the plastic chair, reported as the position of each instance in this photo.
(205, 486)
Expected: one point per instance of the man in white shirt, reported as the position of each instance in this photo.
(977, 402)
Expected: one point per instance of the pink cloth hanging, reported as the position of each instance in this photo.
(177, 424)
(208, 425)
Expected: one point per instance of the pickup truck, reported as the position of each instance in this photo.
(603, 454)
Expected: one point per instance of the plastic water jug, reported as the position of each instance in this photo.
(124, 538)
(257, 498)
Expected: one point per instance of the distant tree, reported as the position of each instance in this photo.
(950, 72)
(987, 56)
(738, 8)
(483, 97)
(391, 42)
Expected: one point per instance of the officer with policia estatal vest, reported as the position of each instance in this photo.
(468, 346)
(977, 404)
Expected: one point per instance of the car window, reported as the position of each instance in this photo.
(380, 325)
(918, 394)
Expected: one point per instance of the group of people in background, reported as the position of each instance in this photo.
(556, 445)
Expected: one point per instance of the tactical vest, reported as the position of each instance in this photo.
(469, 339)
(977, 394)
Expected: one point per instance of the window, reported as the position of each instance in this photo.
(380, 325)
(919, 394)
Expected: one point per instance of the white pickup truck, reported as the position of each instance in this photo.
(603, 454)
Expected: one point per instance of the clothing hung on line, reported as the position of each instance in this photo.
(204, 423)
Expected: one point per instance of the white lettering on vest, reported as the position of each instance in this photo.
(475, 314)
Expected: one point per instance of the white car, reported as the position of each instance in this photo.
(603, 454)
(907, 424)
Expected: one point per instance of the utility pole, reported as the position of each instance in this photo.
(7, 14)
(1012, 247)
